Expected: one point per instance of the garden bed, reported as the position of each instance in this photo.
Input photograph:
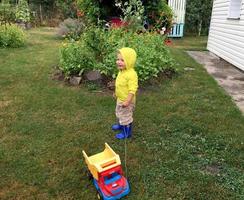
(97, 50)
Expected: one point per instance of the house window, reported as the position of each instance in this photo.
(235, 9)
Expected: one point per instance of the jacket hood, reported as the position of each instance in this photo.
(129, 56)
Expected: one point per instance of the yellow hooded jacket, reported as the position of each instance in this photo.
(127, 80)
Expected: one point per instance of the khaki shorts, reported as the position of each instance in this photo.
(124, 114)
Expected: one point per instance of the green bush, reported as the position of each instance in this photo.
(7, 13)
(152, 55)
(97, 49)
(11, 36)
(74, 58)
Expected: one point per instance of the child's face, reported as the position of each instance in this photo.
(120, 62)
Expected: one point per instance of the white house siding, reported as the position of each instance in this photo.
(226, 36)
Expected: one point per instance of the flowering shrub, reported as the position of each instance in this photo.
(97, 50)
(133, 13)
(11, 36)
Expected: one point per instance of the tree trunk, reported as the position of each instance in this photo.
(41, 18)
(200, 27)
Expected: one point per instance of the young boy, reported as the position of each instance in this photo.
(125, 91)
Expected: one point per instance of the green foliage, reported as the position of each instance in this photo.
(98, 41)
(132, 8)
(68, 8)
(153, 56)
(74, 58)
(133, 13)
(7, 13)
(159, 14)
(198, 15)
(43, 11)
(104, 44)
(90, 8)
(23, 12)
(11, 36)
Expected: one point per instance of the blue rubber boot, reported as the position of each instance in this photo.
(116, 127)
(125, 133)
(129, 131)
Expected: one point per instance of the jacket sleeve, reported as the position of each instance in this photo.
(133, 83)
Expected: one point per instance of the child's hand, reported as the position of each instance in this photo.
(125, 104)
(114, 95)
(128, 100)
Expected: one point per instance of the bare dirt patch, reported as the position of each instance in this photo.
(5, 103)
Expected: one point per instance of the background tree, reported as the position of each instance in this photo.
(68, 8)
(7, 13)
(198, 15)
(156, 12)
(53, 11)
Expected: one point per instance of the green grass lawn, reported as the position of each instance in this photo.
(188, 140)
(198, 43)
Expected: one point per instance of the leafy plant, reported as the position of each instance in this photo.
(90, 8)
(153, 56)
(133, 13)
(97, 40)
(158, 14)
(7, 13)
(101, 47)
(23, 12)
(68, 7)
(11, 36)
(74, 58)
(198, 14)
